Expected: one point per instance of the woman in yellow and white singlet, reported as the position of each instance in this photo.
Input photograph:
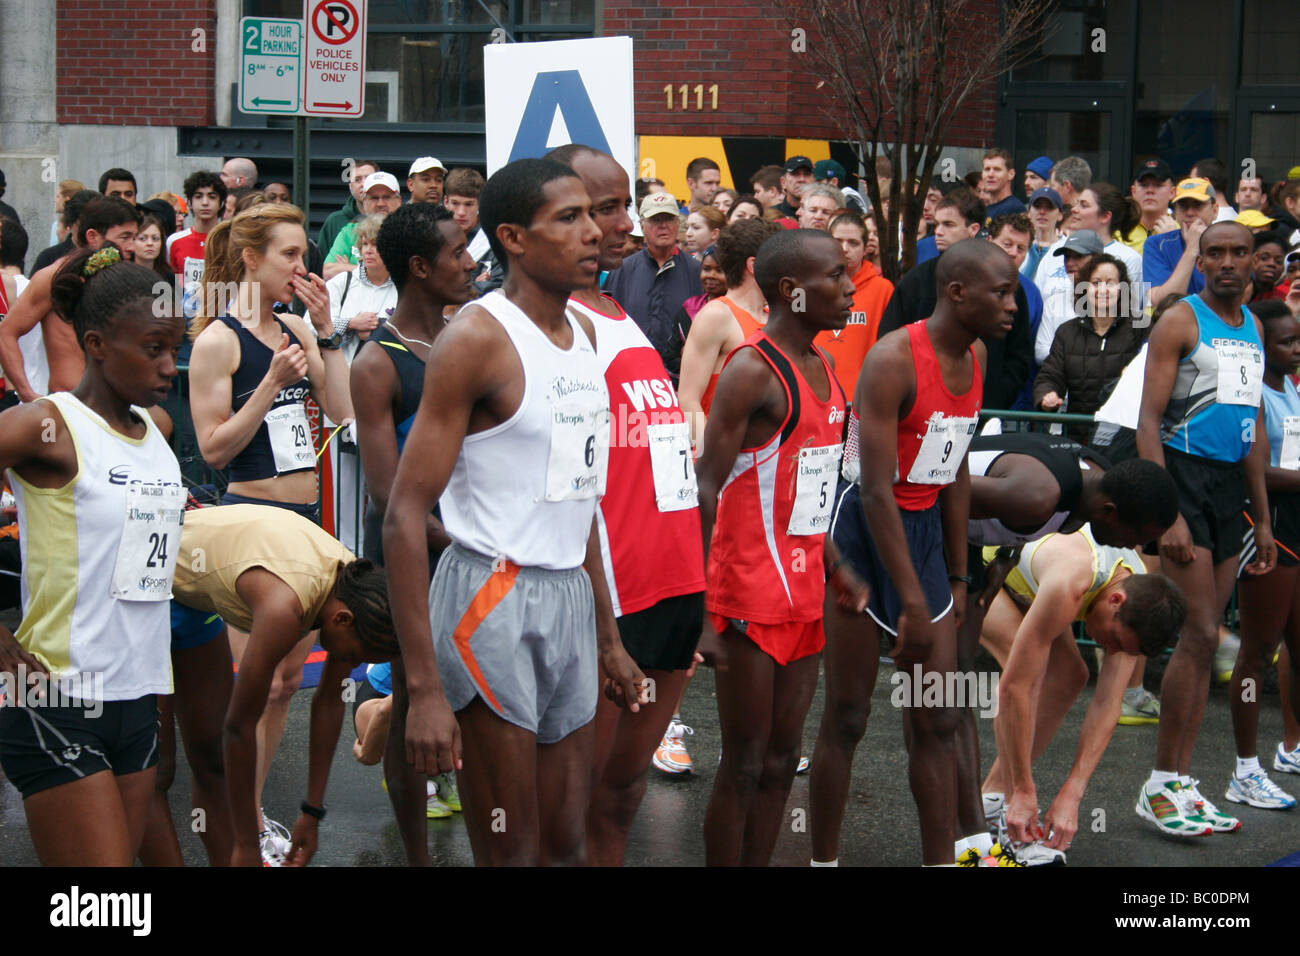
(100, 501)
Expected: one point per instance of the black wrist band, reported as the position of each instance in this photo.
(317, 812)
(965, 579)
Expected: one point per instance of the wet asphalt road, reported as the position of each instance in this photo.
(880, 826)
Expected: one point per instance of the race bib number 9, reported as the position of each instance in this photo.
(1241, 373)
(579, 457)
(814, 490)
(674, 471)
(1290, 454)
(290, 438)
(151, 536)
(942, 451)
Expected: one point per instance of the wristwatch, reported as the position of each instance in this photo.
(331, 342)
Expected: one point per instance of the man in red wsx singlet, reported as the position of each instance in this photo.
(767, 474)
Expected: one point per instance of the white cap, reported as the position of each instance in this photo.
(380, 179)
(423, 163)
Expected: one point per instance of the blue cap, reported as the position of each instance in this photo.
(1048, 193)
(1042, 166)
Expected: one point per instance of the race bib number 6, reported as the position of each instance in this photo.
(942, 451)
(151, 536)
(814, 490)
(579, 456)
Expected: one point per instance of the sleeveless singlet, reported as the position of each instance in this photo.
(1282, 425)
(282, 443)
(765, 561)
(410, 386)
(649, 521)
(526, 489)
(1216, 389)
(1106, 562)
(98, 559)
(748, 326)
(1061, 456)
(934, 435)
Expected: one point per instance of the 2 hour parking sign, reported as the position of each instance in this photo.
(311, 68)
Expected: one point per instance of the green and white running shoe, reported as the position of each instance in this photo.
(447, 792)
(1172, 810)
(1257, 790)
(1218, 820)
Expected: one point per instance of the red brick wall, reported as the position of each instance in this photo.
(130, 62)
(764, 88)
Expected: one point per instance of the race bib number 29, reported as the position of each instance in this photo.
(290, 435)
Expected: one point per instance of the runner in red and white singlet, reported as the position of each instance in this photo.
(648, 523)
(768, 469)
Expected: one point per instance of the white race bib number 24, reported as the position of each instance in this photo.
(151, 539)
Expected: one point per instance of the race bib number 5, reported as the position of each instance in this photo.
(579, 457)
(1241, 373)
(942, 451)
(671, 464)
(814, 490)
(151, 535)
(290, 438)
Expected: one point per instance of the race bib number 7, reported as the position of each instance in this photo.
(151, 537)
(942, 451)
(672, 466)
(579, 457)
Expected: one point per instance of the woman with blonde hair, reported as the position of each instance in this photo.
(250, 373)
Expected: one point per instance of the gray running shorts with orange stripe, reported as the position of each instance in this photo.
(522, 639)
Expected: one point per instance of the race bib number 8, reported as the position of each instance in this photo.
(674, 471)
(1241, 373)
(579, 457)
(151, 536)
(1290, 455)
(942, 451)
(814, 490)
(290, 438)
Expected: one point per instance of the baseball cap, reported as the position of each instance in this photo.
(826, 169)
(1153, 167)
(1048, 193)
(658, 204)
(1198, 189)
(1084, 242)
(1041, 167)
(1253, 219)
(794, 162)
(423, 163)
(380, 179)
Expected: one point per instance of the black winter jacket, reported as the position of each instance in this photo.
(1082, 365)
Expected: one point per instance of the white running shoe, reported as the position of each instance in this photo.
(1257, 790)
(1286, 761)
